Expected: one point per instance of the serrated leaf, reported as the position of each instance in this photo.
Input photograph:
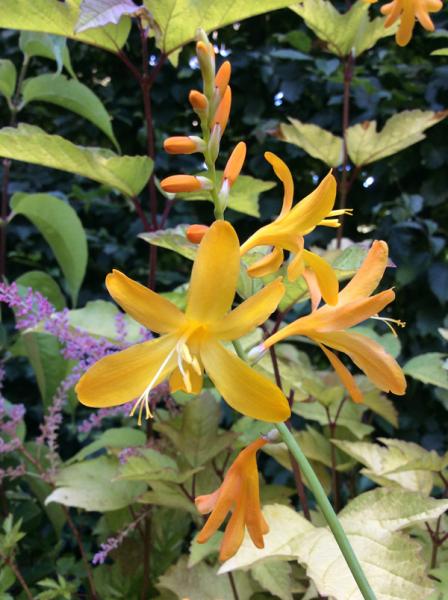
(59, 18)
(343, 33)
(60, 226)
(99, 318)
(197, 436)
(92, 485)
(53, 47)
(72, 95)
(31, 144)
(198, 552)
(149, 465)
(41, 282)
(243, 197)
(8, 77)
(391, 465)
(366, 145)
(275, 577)
(174, 238)
(349, 416)
(317, 142)
(116, 437)
(430, 368)
(178, 20)
(99, 13)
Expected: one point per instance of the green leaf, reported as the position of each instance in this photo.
(60, 226)
(169, 495)
(366, 145)
(53, 47)
(317, 142)
(150, 465)
(99, 13)
(198, 552)
(72, 95)
(178, 20)
(440, 52)
(99, 318)
(116, 438)
(377, 401)
(31, 144)
(41, 282)
(343, 33)
(243, 197)
(59, 18)
(7, 579)
(201, 582)
(8, 77)
(395, 463)
(92, 485)
(174, 238)
(430, 368)
(196, 435)
(275, 577)
(50, 368)
(349, 416)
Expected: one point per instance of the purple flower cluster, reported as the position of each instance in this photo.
(113, 543)
(29, 309)
(12, 472)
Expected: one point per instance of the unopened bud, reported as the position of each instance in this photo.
(235, 163)
(223, 77)
(213, 143)
(206, 56)
(198, 102)
(257, 352)
(222, 113)
(195, 233)
(184, 144)
(185, 183)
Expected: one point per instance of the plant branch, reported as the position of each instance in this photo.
(233, 586)
(15, 569)
(146, 555)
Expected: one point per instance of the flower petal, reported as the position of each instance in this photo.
(379, 366)
(344, 375)
(243, 388)
(326, 277)
(215, 274)
(267, 265)
(234, 533)
(368, 276)
(284, 174)
(249, 314)
(229, 490)
(142, 304)
(177, 381)
(313, 288)
(123, 376)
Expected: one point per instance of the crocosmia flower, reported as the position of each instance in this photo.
(327, 327)
(191, 342)
(288, 229)
(239, 493)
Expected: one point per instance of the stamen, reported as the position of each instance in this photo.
(330, 223)
(196, 366)
(388, 322)
(341, 211)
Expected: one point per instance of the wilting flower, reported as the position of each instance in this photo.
(288, 229)
(190, 342)
(326, 326)
(407, 11)
(239, 493)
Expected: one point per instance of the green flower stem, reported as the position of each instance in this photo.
(322, 500)
(328, 512)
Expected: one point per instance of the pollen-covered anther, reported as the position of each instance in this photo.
(184, 144)
(185, 183)
(390, 323)
(196, 232)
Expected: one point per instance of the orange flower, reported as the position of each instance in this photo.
(223, 77)
(223, 111)
(185, 183)
(407, 11)
(239, 493)
(198, 101)
(182, 144)
(195, 233)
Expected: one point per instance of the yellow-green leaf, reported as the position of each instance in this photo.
(430, 368)
(59, 18)
(366, 145)
(317, 142)
(8, 76)
(31, 144)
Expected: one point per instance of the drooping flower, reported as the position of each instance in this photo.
(190, 342)
(288, 229)
(327, 327)
(408, 11)
(239, 493)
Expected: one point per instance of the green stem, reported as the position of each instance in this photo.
(328, 512)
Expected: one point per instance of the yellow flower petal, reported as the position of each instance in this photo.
(252, 312)
(284, 174)
(267, 265)
(326, 277)
(344, 375)
(379, 366)
(244, 389)
(368, 276)
(123, 376)
(215, 274)
(313, 288)
(142, 304)
(177, 381)
(296, 266)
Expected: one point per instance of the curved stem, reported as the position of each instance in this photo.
(328, 512)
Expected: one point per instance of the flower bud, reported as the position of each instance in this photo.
(183, 144)
(213, 143)
(185, 183)
(222, 113)
(223, 77)
(199, 103)
(235, 163)
(206, 56)
(195, 233)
